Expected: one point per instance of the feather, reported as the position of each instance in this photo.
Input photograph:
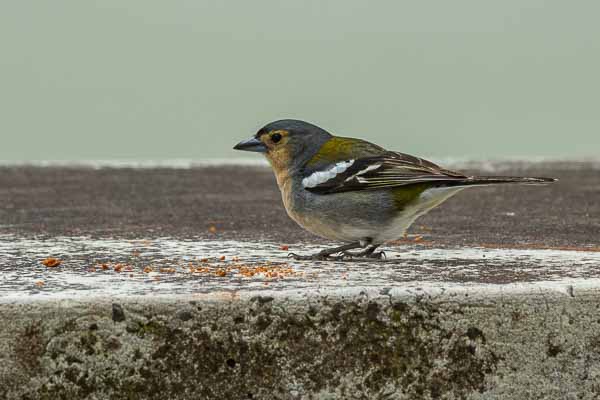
(392, 169)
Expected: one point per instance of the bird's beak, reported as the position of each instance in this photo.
(252, 144)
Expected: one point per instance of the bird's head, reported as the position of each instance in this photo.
(286, 143)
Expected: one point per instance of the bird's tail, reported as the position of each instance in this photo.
(493, 180)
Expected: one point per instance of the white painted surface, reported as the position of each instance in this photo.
(408, 270)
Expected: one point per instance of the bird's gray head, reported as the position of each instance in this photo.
(287, 143)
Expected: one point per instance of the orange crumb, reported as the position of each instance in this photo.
(418, 238)
(204, 260)
(148, 269)
(39, 283)
(220, 273)
(51, 262)
(222, 258)
(118, 268)
(167, 270)
(284, 247)
(104, 267)
(212, 229)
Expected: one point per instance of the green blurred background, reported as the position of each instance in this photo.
(142, 79)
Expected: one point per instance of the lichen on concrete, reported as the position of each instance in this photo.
(537, 346)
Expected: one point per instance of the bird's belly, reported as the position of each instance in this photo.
(333, 229)
(346, 217)
(429, 199)
(361, 215)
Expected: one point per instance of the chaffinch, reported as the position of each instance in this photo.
(353, 191)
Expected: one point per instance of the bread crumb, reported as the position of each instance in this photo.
(51, 262)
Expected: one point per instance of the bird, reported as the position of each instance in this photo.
(352, 191)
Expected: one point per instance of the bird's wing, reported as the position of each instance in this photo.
(387, 170)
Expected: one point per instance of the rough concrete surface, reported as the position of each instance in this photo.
(542, 346)
(494, 295)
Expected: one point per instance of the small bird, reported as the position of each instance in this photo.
(353, 191)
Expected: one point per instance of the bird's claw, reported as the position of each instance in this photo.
(348, 256)
(344, 256)
(299, 257)
(315, 257)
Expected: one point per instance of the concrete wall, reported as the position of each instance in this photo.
(541, 345)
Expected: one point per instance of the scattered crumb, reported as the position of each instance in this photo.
(39, 283)
(284, 247)
(212, 229)
(222, 258)
(118, 267)
(104, 267)
(418, 238)
(221, 273)
(51, 262)
(204, 260)
(148, 269)
(167, 270)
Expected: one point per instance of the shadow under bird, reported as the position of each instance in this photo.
(353, 191)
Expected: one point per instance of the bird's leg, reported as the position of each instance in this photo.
(328, 254)
(368, 253)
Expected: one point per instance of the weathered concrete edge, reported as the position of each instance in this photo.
(400, 346)
(568, 287)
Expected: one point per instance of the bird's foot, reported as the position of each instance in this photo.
(365, 255)
(344, 256)
(378, 255)
(316, 257)
(334, 254)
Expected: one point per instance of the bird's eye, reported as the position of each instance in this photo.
(276, 137)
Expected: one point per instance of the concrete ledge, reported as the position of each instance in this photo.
(174, 284)
(542, 345)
